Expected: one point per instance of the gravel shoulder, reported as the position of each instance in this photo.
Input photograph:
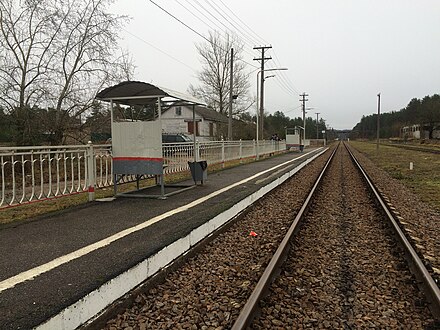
(422, 221)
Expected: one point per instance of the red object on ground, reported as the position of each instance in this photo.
(252, 233)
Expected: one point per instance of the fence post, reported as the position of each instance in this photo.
(91, 174)
(197, 151)
(223, 153)
(241, 151)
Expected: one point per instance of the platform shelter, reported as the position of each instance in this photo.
(136, 144)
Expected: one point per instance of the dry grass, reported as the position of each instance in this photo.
(29, 211)
(423, 180)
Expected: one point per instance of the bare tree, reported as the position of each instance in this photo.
(215, 75)
(27, 34)
(57, 55)
(86, 60)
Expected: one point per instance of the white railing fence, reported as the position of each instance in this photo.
(30, 174)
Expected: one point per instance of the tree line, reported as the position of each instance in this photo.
(424, 112)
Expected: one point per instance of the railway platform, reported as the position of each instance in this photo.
(56, 269)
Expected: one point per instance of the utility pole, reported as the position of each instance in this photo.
(303, 100)
(317, 132)
(231, 84)
(378, 121)
(262, 59)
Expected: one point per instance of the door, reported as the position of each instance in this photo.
(191, 128)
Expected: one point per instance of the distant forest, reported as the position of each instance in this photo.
(424, 112)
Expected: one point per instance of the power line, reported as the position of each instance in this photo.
(283, 76)
(252, 31)
(180, 21)
(160, 50)
(192, 13)
(281, 83)
(230, 20)
(281, 79)
(296, 108)
(193, 30)
(218, 20)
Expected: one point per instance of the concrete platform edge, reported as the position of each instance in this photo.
(92, 305)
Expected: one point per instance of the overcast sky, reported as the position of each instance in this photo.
(341, 52)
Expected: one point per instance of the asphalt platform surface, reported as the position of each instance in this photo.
(37, 241)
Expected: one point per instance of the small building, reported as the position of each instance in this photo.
(421, 132)
(179, 119)
(410, 132)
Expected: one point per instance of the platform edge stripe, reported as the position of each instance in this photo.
(36, 271)
(93, 303)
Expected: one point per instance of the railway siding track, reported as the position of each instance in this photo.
(427, 149)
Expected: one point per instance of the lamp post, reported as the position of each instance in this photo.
(261, 108)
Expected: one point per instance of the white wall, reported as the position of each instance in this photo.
(173, 123)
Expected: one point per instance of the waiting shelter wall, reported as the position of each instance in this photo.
(137, 147)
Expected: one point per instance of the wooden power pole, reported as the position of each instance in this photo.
(262, 59)
(303, 100)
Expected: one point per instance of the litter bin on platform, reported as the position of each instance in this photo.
(199, 170)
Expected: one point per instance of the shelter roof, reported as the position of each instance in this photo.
(141, 93)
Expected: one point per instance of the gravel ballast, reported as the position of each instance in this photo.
(345, 270)
(332, 282)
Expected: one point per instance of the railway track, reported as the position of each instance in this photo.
(345, 268)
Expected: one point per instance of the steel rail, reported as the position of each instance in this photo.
(430, 288)
(247, 313)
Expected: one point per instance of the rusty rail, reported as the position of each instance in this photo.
(430, 288)
(247, 313)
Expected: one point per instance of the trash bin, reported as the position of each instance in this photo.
(199, 170)
(301, 147)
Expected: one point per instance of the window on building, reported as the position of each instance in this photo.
(178, 111)
(211, 129)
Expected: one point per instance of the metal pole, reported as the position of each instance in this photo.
(161, 177)
(259, 121)
(231, 84)
(378, 121)
(91, 174)
(257, 156)
(115, 182)
(194, 132)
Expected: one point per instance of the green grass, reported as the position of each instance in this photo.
(423, 180)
